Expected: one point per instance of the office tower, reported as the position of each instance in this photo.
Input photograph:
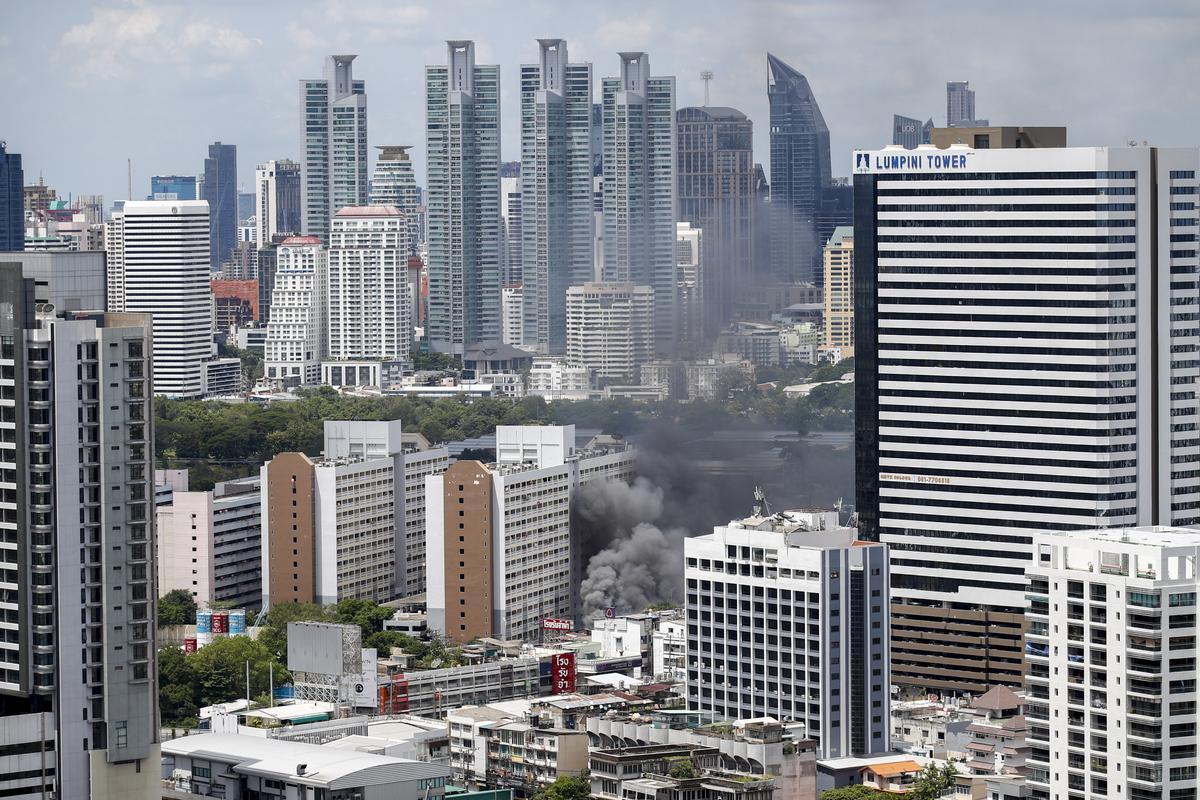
(691, 287)
(716, 194)
(1030, 369)
(499, 549)
(78, 686)
(220, 190)
(67, 280)
(462, 144)
(420, 461)
(800, 172)
(394, 184)
(333, 131)
(909, 132)
(276, 200)
(210, 544)
(512, 315)
(156, 266)
(556, 190)
(787, 618)
(297, 330)
(235, 303)
(510, 231)
(334, 528)
(639, 187)
(839, 292)
(174, 187)
(12, 201)
(610, 328)
(369, 306)
(960, 106)
(1110, 659)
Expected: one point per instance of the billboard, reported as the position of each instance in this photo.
(562, 673)
(558, 625)
(324, 648)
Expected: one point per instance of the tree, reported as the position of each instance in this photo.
(363, 613)
(566, 788)
(683, 768)
(856, 792)
(219, 669)
(933, 782)
(274, 634)
(176, 607)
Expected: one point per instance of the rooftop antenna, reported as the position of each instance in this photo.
(761, 508)
(706, 76)
(129, 176)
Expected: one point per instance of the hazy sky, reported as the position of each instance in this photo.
(90, 84)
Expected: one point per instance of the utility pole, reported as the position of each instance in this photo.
(706, 76)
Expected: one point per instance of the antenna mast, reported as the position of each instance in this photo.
(706, 76)
(129, 177)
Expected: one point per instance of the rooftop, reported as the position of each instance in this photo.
(299, 240)
(369, 211)
(1147, 535)
(997, 698)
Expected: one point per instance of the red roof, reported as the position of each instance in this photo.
(301, 240)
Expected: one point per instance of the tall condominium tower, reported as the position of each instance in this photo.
(839, 292)
(510, 232)
(909, 132)
(960, 106)
(1026, 359)
(368, 296)
(333, 135)
(220, 190)
(716, 194)
(462, 138)
(78, 686)
(394, 184)
(157, 266)
(12, 201)
(787, 618)
(610, 328)
(800, 173)
(556, 190)
(639, 186)
(276, 200)
(297, 331)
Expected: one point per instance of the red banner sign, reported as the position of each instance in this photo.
(563, 673)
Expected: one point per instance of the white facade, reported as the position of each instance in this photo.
(418, 465)
(610, 328)
(624, 637)
(276, 201)
(787, 617)
(368, 295)
(668, 655)
(512, 305)
(157, 267)
(1110, 659)
(690, 283)
(333, 128)
(297, 330)
(394, 184)
(559, 379)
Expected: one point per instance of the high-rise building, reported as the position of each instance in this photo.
(368, 294)
(393, 183)
(38, 197)
(174, 187)
(1025, 350)
(960, 106)
(12, 201)
(157, 266)
(610, 328)
(839, 291)
(691, 287)
(78, 684)
(1110, 663)
(909, 132)
(70, 281)
(716, 194)
(220, 190)
(510, 231)
(267, 260)
(462, 143)
(499, 549)
(556, 190)
(420, 461)
(333, 132)
(639, 187)
(800, 173)
(512, 315)
(298, 328)
(787, 618)
(276, 200)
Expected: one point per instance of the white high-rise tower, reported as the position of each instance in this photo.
(297, 330)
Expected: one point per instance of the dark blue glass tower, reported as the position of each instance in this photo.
(220, 190)
(12, 201)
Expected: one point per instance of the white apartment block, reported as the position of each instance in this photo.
(1026, 360)
(668, 652)
(156, 266)
(610, 328)
(298, 328)
(499, 553)
(559, 379)
(419, 464)
(276, 201)
(368, 295)
(1110, 659)
(491, 747)
(512, 305)
(394, 184)
(210, 544)
(787, 617)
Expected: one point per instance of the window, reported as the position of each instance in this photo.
(1183, 599)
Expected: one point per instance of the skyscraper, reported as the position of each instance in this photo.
(639, 186)
(276, 200)
(333, 136)
(1023, 362)
(462, 135)
(510, 232)
(610, 328)
(960, 106)
(839, 291)
(297, 331)
(157, 265)
(556, 190)
(908, 132)
(368, 297)
(174, 187)
(716, 194)
(220, 191)
(78, 684)
(800, 172)
(394, 184)
(12, 201)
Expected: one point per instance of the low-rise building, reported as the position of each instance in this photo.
(671, 772)
(997, 745)
(756, 342)
(668, 645)
(704, 377)
(222, 377)
(434, 692)
(559, 379)
(496, 747)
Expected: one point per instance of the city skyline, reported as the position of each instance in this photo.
(146, 60)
